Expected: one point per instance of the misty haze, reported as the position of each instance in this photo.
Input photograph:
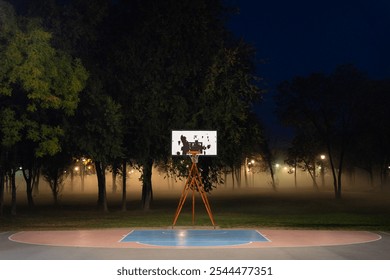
(80, 190)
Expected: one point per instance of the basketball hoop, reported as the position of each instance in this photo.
(194, 180)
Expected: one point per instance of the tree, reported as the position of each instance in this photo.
(54, 170)
(268, 157)
(37, 81)
(10, 134)
(10, 127)
(371, 151)
(304, 152)
(165, 62)
(97, 133)
(83, 29)
(162, 60)
(225, 103)
(328, 106)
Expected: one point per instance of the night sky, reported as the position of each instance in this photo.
(300, 37)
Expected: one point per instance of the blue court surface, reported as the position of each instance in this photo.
(194, 237)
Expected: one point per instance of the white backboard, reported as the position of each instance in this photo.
(203, 141)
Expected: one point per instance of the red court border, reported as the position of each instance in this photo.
(110, 238)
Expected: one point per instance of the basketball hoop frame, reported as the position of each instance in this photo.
(193, 183)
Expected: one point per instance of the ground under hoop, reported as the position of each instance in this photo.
(193, 183)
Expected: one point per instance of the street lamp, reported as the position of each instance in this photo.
(322, 157)
(251, 168)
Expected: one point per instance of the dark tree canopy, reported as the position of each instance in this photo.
(153, 67)
(340, 110)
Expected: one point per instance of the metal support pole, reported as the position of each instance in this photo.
(194, 183)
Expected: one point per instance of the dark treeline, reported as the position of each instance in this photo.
(109, 81)
(343, 115)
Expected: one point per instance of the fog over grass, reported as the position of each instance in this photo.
(256, 184)
(254, 204)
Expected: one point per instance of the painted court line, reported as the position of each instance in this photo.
(194, 238)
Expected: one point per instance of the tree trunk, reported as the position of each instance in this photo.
(246, 172)
(273, 182)
(340, 172)
(384, 171)
(35, 180)
(72, 178)
(101, 177)
(27, 174)
(237, 171)
(322, 173)
(124, 174)
(271, 169)
(2, 176)
(233, 181)
(147, 192)
(114, 186)
(312, 173)
(371, 174)
(334, 175)
(82, 175)
(54, 187)
(295, 174)
(13, 193)
(115, 169)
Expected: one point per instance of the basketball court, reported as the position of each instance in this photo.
(194, 144)
(193, 238)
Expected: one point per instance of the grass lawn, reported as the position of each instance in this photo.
(238, 209)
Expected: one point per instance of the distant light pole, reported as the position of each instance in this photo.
(253, 172)
(250, 168)
(322, 171)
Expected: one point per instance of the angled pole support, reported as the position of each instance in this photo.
(193, 183)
